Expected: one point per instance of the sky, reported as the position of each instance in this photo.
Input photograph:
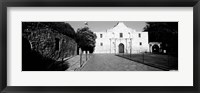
(98, 26)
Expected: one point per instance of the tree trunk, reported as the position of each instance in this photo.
(81, 58)
(86, 55)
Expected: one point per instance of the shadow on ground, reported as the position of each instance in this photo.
(165, 62)
(34, 61)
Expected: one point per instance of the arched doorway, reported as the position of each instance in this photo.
(155, 48)
(121, 48)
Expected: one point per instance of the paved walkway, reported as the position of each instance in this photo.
(110, 62)
(74, 62)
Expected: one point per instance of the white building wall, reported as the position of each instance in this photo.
(131, 40)
(143, 39)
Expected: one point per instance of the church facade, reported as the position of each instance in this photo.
(121, 39)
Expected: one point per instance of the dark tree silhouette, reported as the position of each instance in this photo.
(165, 32)
(86, 40)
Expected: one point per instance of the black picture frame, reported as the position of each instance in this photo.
(100, 3)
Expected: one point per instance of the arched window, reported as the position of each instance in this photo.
(139, 35)
(140, 43)
(121, 35)
(101, 35)
(101, 44)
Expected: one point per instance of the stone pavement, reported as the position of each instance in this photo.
(74, 62)
(111, 62)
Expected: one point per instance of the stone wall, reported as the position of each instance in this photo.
(51, 44)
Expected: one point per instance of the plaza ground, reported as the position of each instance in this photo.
(162, 61)
(111, 62)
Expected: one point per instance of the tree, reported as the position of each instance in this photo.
(86, 41)
(165, 32)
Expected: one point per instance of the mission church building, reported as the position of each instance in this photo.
(121, 39)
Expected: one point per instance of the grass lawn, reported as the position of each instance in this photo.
(156, 60)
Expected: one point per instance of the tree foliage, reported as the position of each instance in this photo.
(165, 32)
(162, 31)
(86, 39)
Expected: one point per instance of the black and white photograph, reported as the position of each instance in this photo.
(99, 46)
(91, 46)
